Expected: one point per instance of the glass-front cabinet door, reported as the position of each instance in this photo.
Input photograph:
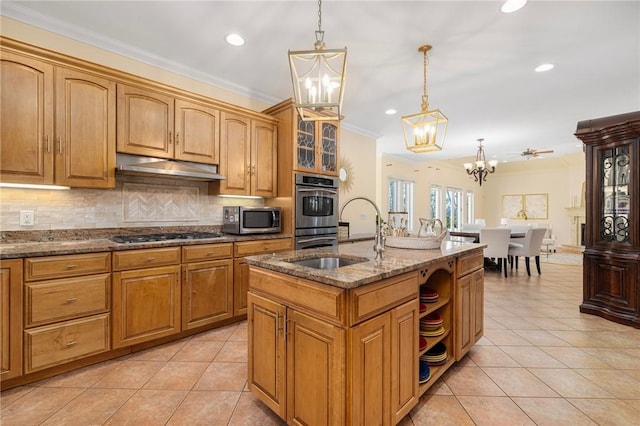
(317, 147)
(615, 195)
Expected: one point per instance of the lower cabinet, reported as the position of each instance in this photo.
(146, 300)
(10, 319)
(362, 370)
(469, 303)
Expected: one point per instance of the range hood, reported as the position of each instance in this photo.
(138, 165)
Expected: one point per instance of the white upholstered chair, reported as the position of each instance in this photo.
(530, 247)
(497, 241)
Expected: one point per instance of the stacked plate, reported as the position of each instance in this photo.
(436, 355)
(425, 372)
(431, 325)
(423, 343)
(428, 295)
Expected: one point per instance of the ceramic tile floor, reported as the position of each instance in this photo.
(540, 362)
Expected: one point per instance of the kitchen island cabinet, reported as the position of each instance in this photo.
(341, 346)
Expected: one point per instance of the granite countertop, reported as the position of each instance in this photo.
(395, 261)
(19, 244)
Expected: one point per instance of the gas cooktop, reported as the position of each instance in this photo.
(145, 238)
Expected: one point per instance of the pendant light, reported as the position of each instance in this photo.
(426, 130)
(318, 78)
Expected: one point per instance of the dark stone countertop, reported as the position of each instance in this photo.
(19, 244)
(395, 262)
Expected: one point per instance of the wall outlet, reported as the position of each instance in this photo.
(27, 218)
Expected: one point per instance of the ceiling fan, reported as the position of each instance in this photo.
(529, 152)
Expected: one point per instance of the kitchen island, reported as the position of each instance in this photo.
(358, 344)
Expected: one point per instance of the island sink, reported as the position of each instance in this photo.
(329, 262)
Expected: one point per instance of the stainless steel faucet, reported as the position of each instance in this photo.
(378, 245)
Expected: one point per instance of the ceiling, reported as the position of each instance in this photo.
(480, 73)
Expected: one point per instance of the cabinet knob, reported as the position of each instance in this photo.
(71, 299)
(71, 343)
(71, 266)
(150, 259)
(177, 138)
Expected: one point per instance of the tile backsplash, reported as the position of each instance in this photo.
(135, 202)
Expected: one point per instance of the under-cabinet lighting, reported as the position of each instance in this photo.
(33, 186)
(240, 196)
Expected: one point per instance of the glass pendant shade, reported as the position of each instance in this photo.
(318, 82)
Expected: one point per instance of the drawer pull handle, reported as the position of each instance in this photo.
(72, 266)
(71, 343)
(150, 259)
(71, 299)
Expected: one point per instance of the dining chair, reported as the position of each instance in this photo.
(497, 241)
(529, 248)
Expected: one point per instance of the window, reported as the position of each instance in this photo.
(401, 197)
(453, 209)
(436, 202)
(469, 207)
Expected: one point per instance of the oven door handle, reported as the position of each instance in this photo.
(328, 191)
(313, 239)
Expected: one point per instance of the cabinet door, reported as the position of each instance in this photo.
(235, 154)
(469, 310)
(10, 319)
(85, 130)
(145, 122)
(26, 120)
(207, 293)
(315, 371)
(328, 148)
(371, 371)
(305, 149)
(267, 377)
(146, 305)
(240, 286)
(264, 151)
(197, 132)
(404, 360)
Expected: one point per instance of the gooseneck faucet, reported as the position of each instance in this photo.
(378, 245)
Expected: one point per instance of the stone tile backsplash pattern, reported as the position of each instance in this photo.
(135, 202)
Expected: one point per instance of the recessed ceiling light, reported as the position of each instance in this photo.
(510, 6)
(544, 67)
(234, 39)
(390, 111)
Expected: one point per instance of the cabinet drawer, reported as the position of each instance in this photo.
(247, 248)
(206, 252)
(469, 263)
(51, 345)
(145, 258)
(68, 298)
(374, 299)
(39, 268)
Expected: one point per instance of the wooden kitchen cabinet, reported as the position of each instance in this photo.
(248, 156)
(64, 136)
(67, 304)
(469, 303)
(328, 356)
(157, 124)
(207, 284)
(146, 297)
(10, 319)
(304, 146)
(241, 268)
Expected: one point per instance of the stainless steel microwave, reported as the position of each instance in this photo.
(251, 220)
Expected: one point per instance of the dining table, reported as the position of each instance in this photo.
(468, 235)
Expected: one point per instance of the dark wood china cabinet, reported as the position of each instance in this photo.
(612, 235)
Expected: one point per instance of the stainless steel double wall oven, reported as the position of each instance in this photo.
(316, 211)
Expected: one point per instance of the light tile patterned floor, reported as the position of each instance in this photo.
(540, 362)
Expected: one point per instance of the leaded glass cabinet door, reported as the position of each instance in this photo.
(306, 144)
(329, 147)
(614, 194)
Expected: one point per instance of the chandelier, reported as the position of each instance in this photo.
(480, 168)
(426, 130)
(318, 78)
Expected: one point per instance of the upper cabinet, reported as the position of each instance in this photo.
(304, 146)
(156, 124)
(66, 139)
(612, 233)
(248, 156)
